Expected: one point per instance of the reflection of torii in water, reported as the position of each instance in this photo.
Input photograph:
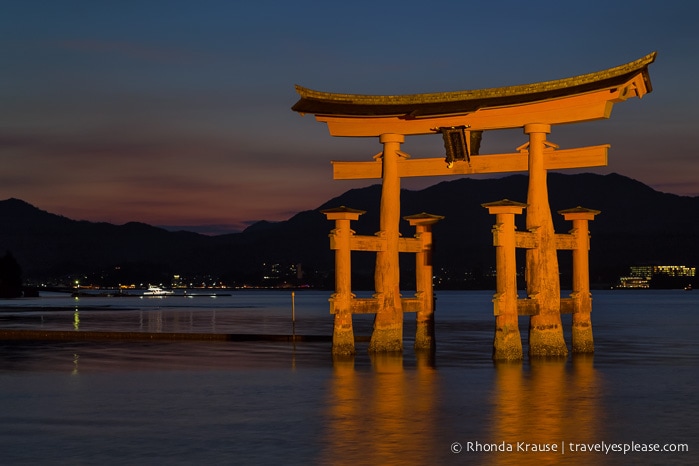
(461, 117)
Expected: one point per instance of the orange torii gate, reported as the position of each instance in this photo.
(461, 117)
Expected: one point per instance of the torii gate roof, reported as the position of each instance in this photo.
(581, 98)
(414, 106)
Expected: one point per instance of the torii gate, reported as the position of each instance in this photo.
(461, 117)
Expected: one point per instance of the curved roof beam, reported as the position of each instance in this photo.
(579, 98)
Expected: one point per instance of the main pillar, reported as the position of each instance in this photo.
(581, 333)
(388, 324)
(543, 285)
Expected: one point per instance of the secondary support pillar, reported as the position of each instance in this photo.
(582, 340)
(507, 344)
(387, 335)
(341, 300)
(424, 333)
(543, 285)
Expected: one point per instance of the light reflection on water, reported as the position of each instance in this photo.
(264, 402)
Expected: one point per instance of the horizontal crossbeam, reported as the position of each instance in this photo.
(566, 242)
(530, 307)
(377, 243)
(554, 159)
(529, 240)
(371, 305)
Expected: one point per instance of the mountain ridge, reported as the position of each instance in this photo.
(637, 225)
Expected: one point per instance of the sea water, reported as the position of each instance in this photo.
(263, 402)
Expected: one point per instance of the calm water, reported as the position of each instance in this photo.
(225, 403)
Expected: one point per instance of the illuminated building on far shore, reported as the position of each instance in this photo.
(640, 276)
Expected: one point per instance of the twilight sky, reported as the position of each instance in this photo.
(177, 113)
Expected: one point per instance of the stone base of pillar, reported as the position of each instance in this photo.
(507, 345)
(386, 340)
(546, 340)
(582, 338)
(424, 336)
(343, 338)
(342, 349)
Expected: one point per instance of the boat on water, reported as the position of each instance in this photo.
(157, 291)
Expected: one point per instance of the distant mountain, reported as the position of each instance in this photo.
(638, 225)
